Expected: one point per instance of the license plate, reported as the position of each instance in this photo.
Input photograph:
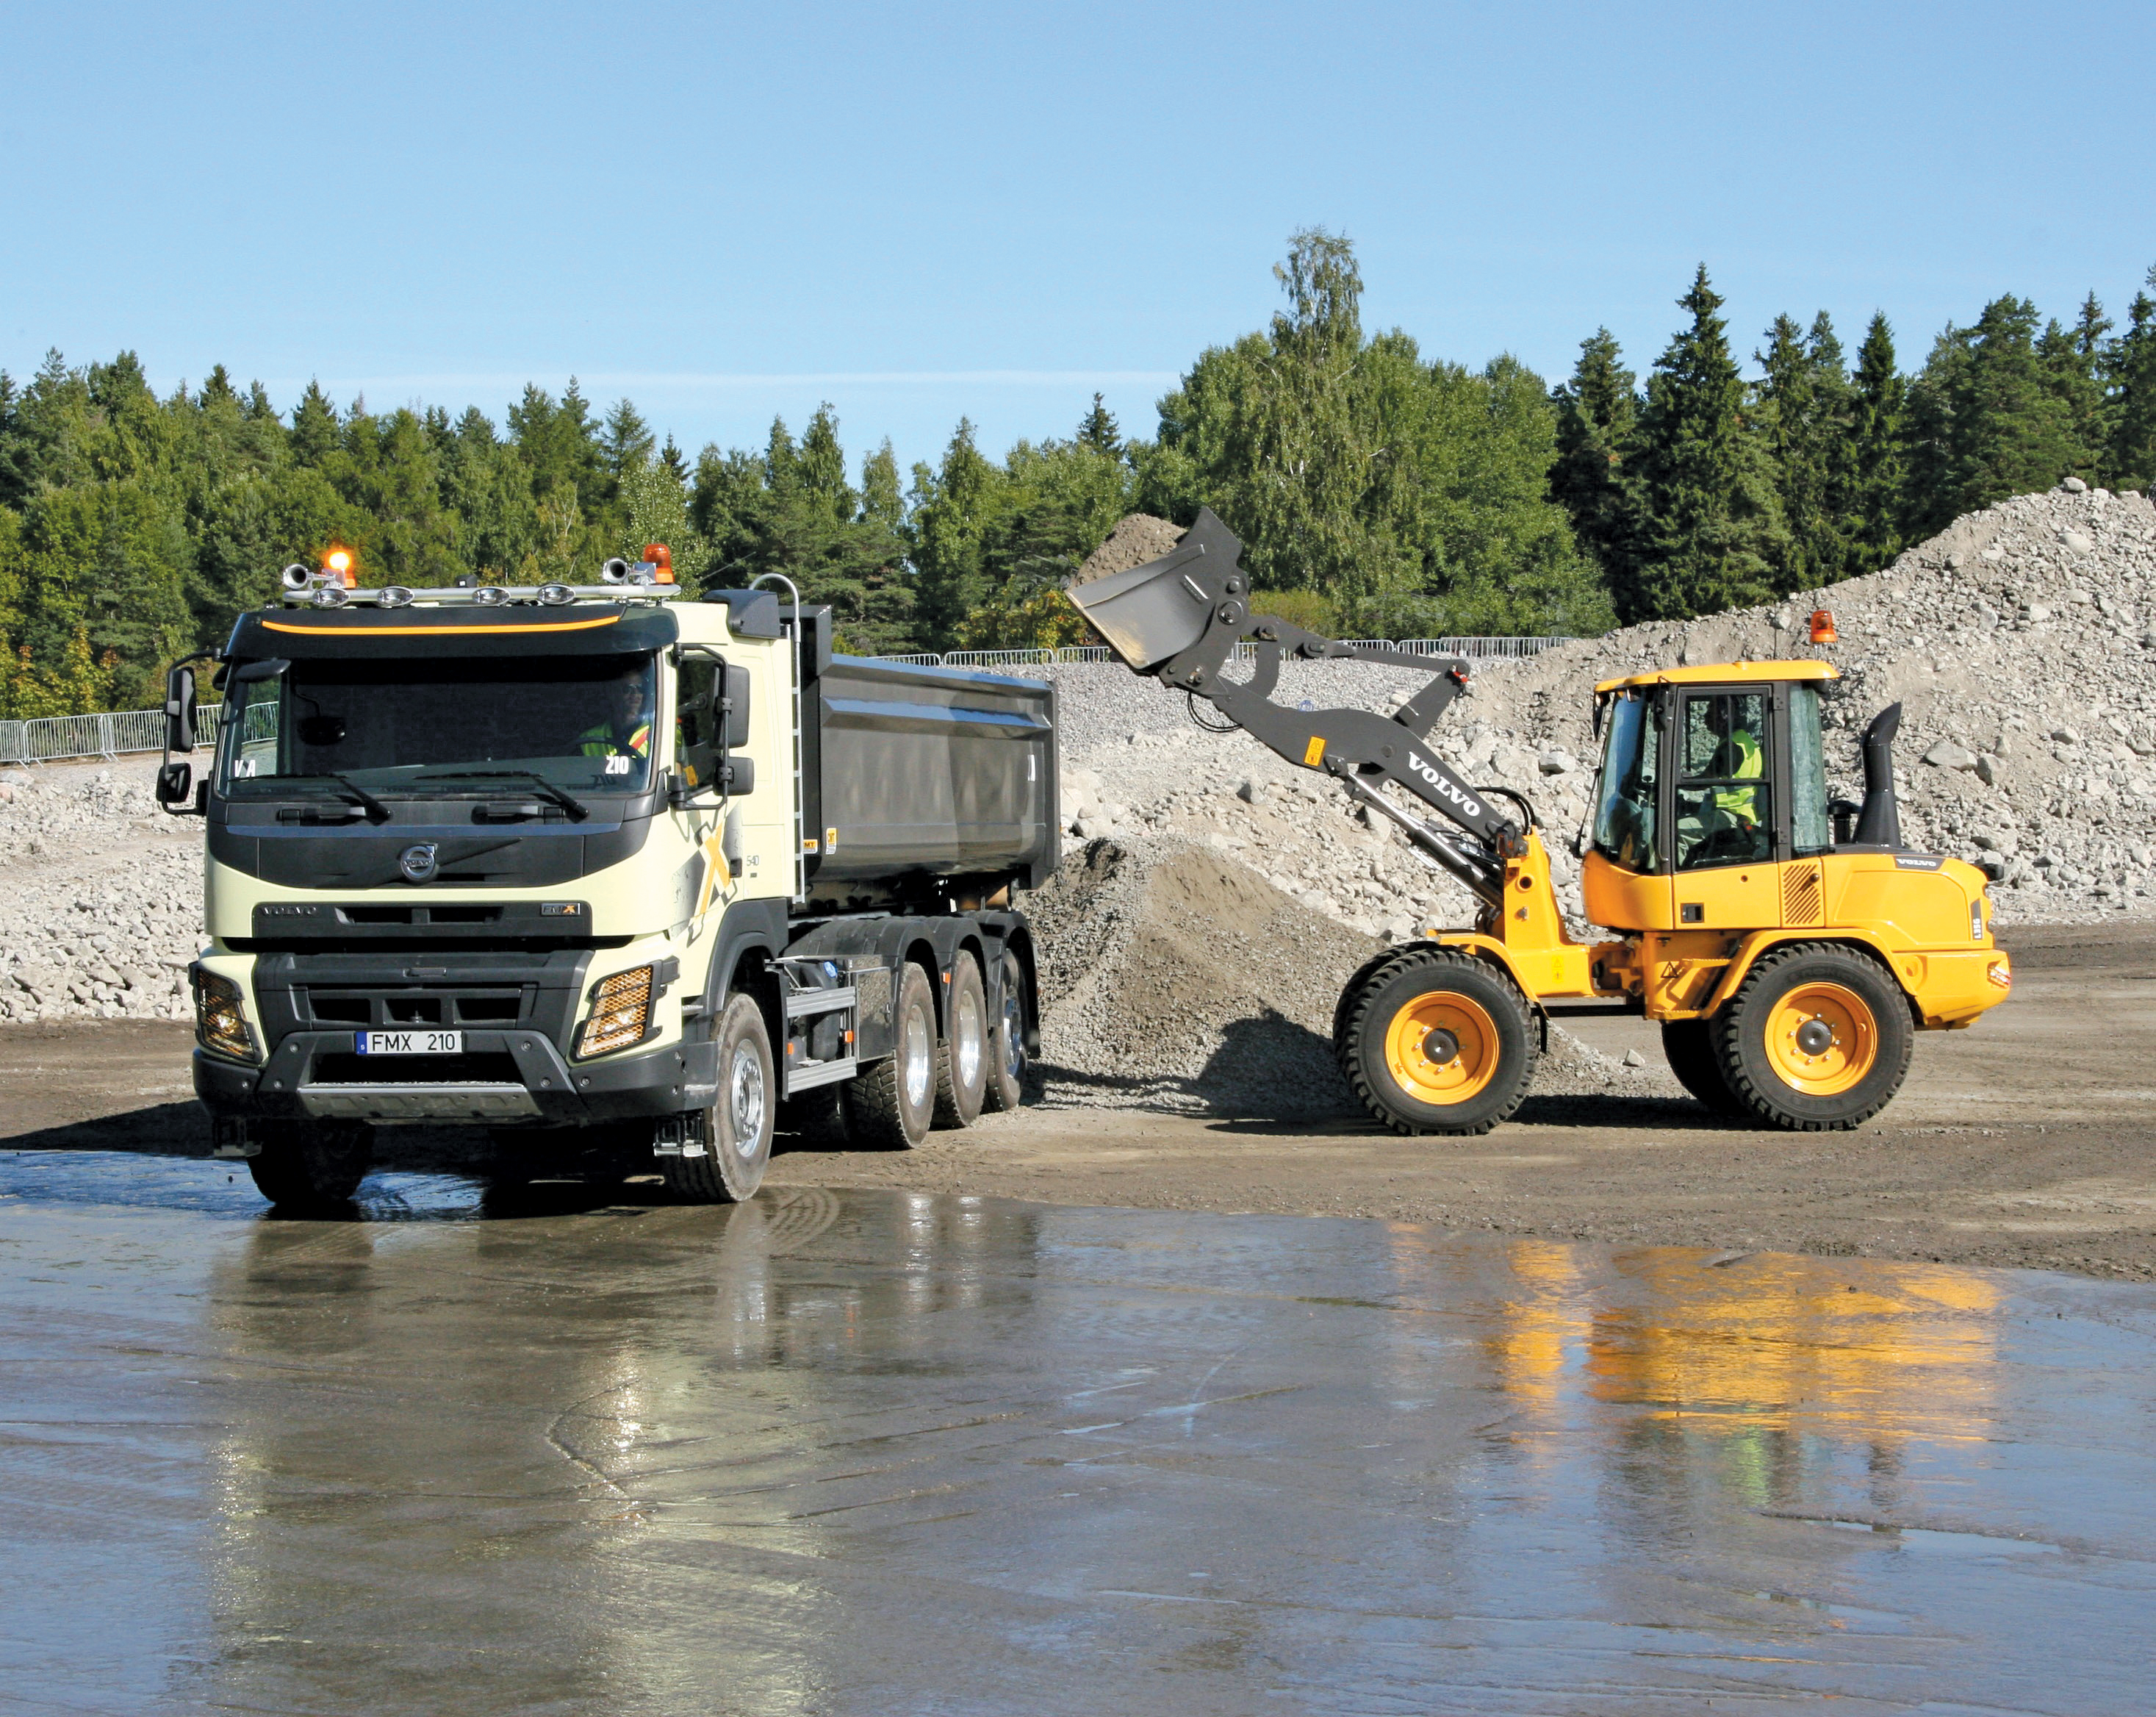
(409, 1043)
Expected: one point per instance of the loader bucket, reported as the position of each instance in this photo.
(1153, 612)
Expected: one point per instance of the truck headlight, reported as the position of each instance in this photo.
(621, 1013)
(221, 1017)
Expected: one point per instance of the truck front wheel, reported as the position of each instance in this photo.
(311, 1165)
(736, 1134)
(889, 1107)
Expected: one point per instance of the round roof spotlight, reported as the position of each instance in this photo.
(298, 577)
(614, 572)
(329, 596)
(490, 596)
(554, 595)
(394, 596)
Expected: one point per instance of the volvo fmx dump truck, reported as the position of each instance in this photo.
(600, 857)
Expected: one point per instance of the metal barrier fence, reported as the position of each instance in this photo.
(57, 738)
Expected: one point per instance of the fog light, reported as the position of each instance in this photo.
(621, 1013)
(329, 596)
(491, 596)
(394, 596)
(554, 595)
(221, 1016)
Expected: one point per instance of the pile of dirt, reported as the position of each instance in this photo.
(1174, 978)
(1137, 538)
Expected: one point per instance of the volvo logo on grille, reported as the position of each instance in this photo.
(417, 862)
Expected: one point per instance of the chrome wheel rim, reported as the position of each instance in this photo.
(745, 1098)
(918, 1069)
(967, 1041)
(1014, 1032)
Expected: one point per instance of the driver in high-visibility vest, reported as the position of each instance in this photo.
(627, 730)
(1742, 803)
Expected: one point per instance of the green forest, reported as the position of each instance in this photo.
(1380, 492)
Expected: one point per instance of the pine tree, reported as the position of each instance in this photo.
(626, 442)
(1871, 503)
(951, 514)
(1596, 411)
(314, 427)
(1097, 429)
(2130, 367)
(881, 500)
(1709, 532)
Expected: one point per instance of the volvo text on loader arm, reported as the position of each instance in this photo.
(1789, 946)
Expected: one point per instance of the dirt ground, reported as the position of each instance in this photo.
(2027, 1140)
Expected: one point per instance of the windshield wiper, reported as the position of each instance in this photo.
(376, 810)
(576, 808)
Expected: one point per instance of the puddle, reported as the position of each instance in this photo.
(886, 1452)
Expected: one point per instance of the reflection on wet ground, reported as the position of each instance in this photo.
(880, 1453)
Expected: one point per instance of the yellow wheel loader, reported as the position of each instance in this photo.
(1788, 945)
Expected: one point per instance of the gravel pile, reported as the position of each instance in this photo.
(101, 908)
(1173, 976)
(2021, 643)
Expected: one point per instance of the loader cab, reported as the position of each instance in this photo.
(1712, 777)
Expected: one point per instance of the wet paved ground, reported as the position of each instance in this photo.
(881, 1452)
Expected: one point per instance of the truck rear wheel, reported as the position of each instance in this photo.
(1817, 1039)
(1688, 1046)
(1006, 1042)
(736, 1133)
(311, 1165)
(891, 1107)
(1433, 1041)
(961, 1059)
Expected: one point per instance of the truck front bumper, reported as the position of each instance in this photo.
(526, 1081)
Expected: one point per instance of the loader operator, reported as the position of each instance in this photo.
(627, 730)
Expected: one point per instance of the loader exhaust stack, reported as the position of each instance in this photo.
(1879, 823)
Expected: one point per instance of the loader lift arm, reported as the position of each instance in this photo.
(1181, 619)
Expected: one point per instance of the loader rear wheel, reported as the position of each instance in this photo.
(310, 1166)
(962, 1058)
(734, 1133)
(1817, 1039)
(1435, 1040)
(1688, 1046)
(889, 1107)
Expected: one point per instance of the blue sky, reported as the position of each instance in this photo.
(727, 213)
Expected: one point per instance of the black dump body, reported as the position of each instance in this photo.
(925, 772)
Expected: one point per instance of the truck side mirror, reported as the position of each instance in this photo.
(175, 784)
(733, 705)
(180, 711)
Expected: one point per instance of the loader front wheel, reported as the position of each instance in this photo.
(1688, 1046)
(1433, 1041)
(1817, 1039)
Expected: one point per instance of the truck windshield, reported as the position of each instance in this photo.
(393, 724)
(1625, 799)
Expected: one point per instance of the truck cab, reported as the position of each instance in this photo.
(597, 857)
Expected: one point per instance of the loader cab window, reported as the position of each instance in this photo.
(1624, 823)
(1725, 815)
(1811, 831)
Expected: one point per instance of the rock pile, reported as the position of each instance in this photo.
(2021, 643)
(102, 907)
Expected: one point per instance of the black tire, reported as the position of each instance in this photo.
(1740, 1033)
(311, 1165)
(1688, 1046)
(962, 1058)
(1484, 1031)
(1006, 1087)
(890, 1106)
(735, 1133)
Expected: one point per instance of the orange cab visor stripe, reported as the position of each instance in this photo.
(440, 631)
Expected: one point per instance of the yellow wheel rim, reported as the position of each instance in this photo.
(1821, 1039)
(1442, 1047)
